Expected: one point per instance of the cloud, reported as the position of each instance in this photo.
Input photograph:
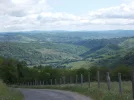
(21, 8)
(118, 15)
(123, 11)
(18, 15)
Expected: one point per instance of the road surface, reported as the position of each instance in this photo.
(46, 94)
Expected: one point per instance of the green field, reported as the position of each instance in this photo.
(94, 92)
(78, 64)
(9, 93)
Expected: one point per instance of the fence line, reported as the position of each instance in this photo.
(63, 80)
(133, 83)
(98, 78)
(108, 81)
(120, 83)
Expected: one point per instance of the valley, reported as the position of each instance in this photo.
(64, 49)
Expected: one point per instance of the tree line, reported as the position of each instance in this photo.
(14, 71)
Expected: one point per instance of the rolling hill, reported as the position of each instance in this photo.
(69, 49)
(109, 52)
(40, 53)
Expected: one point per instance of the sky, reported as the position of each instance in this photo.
(28, 15)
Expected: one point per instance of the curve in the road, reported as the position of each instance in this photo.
(46, 94)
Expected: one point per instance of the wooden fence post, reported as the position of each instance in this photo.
(51, 82)
(31, 83)
(47, 83)
(98, 78)
(60, 81)
(55, 81)
(120, 83)
(43, 82)
(36, 82)
(108, 81)
(40, 83)
(81, 79)
(64, 80)
(89, 80)
(70, 80)
(133, 83)
(76, 79)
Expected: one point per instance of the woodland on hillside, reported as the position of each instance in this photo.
(13, 71)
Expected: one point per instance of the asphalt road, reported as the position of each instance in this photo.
(45, 94)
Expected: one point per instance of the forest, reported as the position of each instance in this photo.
(14, 71)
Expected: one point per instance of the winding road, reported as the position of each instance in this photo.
(46, 94)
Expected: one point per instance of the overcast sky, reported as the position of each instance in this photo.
(26, 15)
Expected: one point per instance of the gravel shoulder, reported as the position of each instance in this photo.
(46, 94)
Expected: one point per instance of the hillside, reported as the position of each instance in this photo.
(109, 52)
(40, 53)
(68, 48)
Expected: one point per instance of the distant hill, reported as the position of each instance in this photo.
(63, 36)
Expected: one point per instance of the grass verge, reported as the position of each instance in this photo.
(9, 93)
(94, 92)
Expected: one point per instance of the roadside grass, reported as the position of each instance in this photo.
(9, 93)
(94, 92)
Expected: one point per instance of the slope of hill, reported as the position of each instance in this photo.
(128, 59)
(111, 53)
(40, 53)
(64, 48)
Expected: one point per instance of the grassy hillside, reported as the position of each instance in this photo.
(77, 64)
(9, 93)
(40, 53)
(109, 52)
